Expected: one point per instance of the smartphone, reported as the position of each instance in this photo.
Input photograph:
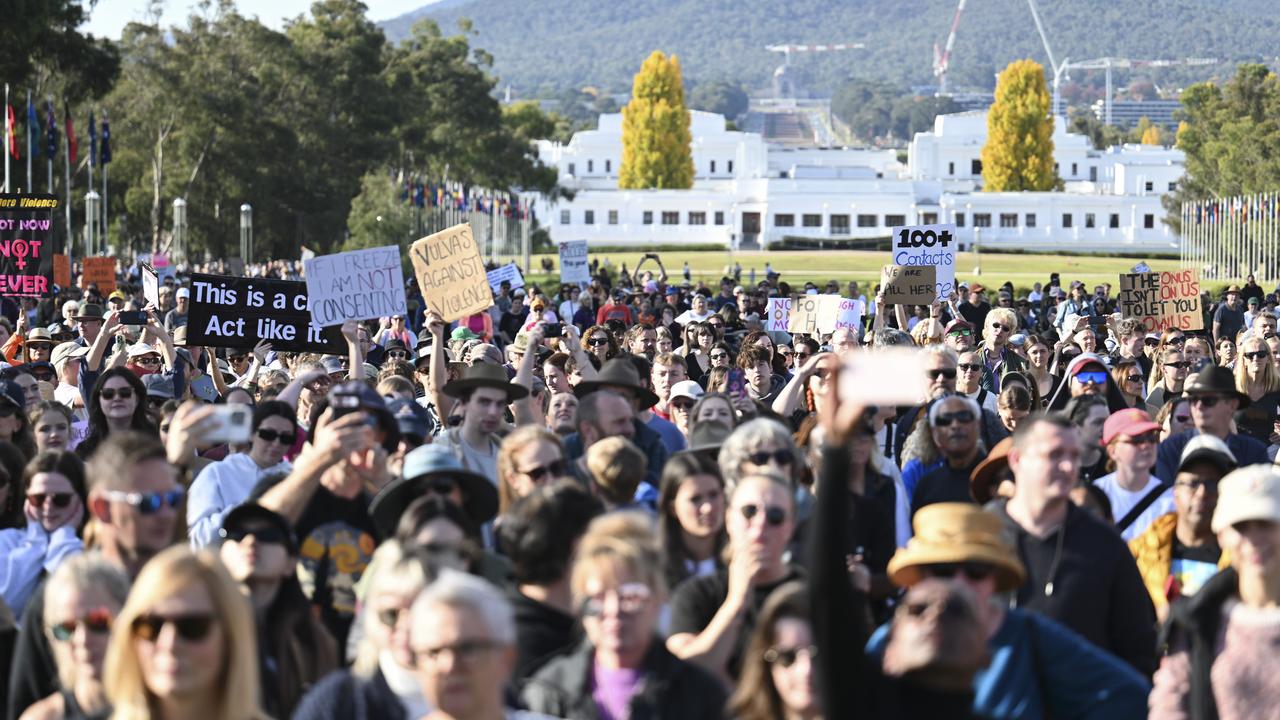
(232, 424)
(1097, 320)
(345, 404)
(132, 317)
(737, 383)
(554, 330)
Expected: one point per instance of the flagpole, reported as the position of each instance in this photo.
(105, 217)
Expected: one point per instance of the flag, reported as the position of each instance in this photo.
(71, 135)
(33, 129)
(93, 140)
(11, 131)
(52, 129)
(104, 153)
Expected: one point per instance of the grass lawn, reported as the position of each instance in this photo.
(843, 266)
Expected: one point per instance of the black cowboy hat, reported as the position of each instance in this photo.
(1215, 380)
(485, 375)
(421, 466)
(620, 373)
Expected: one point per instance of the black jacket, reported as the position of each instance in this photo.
(541, 631)
(671, 690)
(1083, 576)
(1195, 622)
(344, 696)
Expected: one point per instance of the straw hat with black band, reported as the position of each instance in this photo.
(618, 373)
(951, 533)
(485, 375)
(423, 466)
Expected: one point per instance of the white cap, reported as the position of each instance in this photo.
(1250, 493)
(687, 389)
(183, 293)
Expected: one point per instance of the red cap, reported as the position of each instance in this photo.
(977, 287)
(1132, 422)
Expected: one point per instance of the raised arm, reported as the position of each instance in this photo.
(438, 368)
(333, 442)
(523, 409)
(789, 399)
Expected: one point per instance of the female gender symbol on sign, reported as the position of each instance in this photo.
(19, 249)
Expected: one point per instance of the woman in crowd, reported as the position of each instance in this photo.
(1226, 352)
(761, 445)
(622, 668)
(1126, 373)
(1129, 439)
(227, 483)
(530, 457)
(1197, 350)
(598, 341)
(699, 340)
(1256, 377)
(1039, 354)
(777, 680)
(1174, 417)
(1168, 374)
(51, 426)
(81, 601)
(116, 404)
(691, 532)
(55, 511)
(14, 425)
(1014, 404)
(441, 532)
(664, 342)
(714, 407)
(184, 645)
(1088, 413)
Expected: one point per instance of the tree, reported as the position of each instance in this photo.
(719, 96)
(1019, 150)
(1151, 136)
(41, 39)
(656, 141)
(379, 216)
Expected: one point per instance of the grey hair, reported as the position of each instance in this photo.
(460, 590)
(941, 350)
(79, 573)
(890, 337)
(746, 438)
(390, 570)
(936, 409)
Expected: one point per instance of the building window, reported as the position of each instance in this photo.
(959, 219)
(866, 221)
(951, 168)
(1150, 186)
(893, 221)
(1075, 169)
(1149, 221)
(1030, 220)
(572, 169)
(608, 166)
(1093, 173)
(564, 217)
(697, 218)
(648, 217)
(982, 219)
(1089, 220)
(730, 166)
(589, 217)
(975, 167)
(670, 217)
(839, 224)
(613, 217)
(784, 220)
(809, 220)
(929, 218)
(591, 166)
(1066, 220)
(713, 167)
(1114, 220)
(1009, 220)
(1173, 186)
(719, 217)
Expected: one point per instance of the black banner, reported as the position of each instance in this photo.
(228, 311)
(26, 244)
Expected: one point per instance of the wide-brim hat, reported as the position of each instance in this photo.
(39, 335)
(1215, 380)
(180, 336)
(619, 373)
(957, 533)
(707, 437)
(982, 480)
(88, 311)
(421, 466)
(67, 351)
(485, 375)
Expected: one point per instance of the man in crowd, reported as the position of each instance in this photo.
(958, 335)
(1214, 402)
(1228, 319)
(975, 307)
(177, 317)
(954, 422)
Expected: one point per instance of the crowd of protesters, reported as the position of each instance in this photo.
(629, 499)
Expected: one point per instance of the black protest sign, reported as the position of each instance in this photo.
(227, 311)
(26, 244)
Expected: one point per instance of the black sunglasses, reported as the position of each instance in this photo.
(1257, 354)
(782, 457)
(960, 416)
(110, 393)
(971, 570)
(272, 435)
(773, 515)
(189, 627)
(553, 468)
(948, 373)
(59, 500)
(1180, 365)
(597, 340)
(786, 657)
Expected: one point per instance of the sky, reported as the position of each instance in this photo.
(108, 17)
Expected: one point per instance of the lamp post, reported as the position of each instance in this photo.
(180, 228)
(91, 213)
(246, 232)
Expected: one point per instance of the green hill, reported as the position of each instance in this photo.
(550, 45)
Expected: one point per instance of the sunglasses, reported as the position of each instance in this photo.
(192, 628)
(274, 435)
(58, 500)
(773, 515)
(948, 373)
(685, 406)
(112, 393)
(42, 375)
(147, 503)
(1180, 340)
(1207, 401)
(632, 598)
(1001, 327)
(802, 357)
(465, 652)
(1134, 379)
(1180, 365)
(553, 469)
(1257, 354)
(264, 534)
(1092, 377)
(597, 341)
(719, 356)
(782, 457)
(96, 621)
(965, 332)
(961, 416)
(237, 358)
(1182, 418)
(397, 355)
(148, 360)
(969, 367)
(1209, 486)
(786, 657)
(1150, 343)
(973, 571)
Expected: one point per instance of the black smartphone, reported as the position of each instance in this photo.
(133, 317)
(553, 331)
(1097, 320)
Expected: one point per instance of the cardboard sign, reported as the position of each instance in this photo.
(150, 285)
(835, 312)
(803, 318)
(26, 244)
(917, 245)
(229, 311)
(355, 285)
(100, 271)
(778, 314)
(509, 273)
(909, 284)
(61, 270)
(451, 273)
(574, 267)
(1162, 300)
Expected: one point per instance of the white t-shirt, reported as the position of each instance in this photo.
(1122, 501)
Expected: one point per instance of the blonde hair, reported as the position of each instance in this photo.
(618, 541)
(78, 574)
(617, 466)
(1268, 376)
(1006, 315)
(236, 692)
(391, 570)
(519, 439)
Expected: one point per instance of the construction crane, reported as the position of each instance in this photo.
(1107, 63)
(942, 58)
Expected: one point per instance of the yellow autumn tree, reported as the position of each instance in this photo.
(1151, 136)
(1019, 150)
(1177, 138)
(656, 142)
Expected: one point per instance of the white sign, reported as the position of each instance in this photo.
(573, 263)
(928, 245)
(507, 273)
(355, 285)
(778, 313)
(150, 285)
(835, 312)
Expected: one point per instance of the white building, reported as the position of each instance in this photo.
(746, 192)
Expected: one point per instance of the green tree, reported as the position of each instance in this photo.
(719, 96)
(379, 217)
(656, 142)
(1018, 154)
(43, 45)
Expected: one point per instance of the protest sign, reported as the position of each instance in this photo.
(835, 312)
(909, 284)
(229, 311)
(355, 285)
(509, 273)
(26, 244)
(61, 270)
(100, 271)
(451, 273)
(804, 314)
(573, 263)
(150, 284)
(165, 269)
(1163, 300)
(918, 245)
(778, 314)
